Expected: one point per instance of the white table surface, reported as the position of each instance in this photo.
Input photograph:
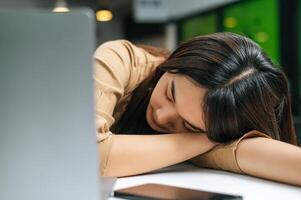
(189, 176)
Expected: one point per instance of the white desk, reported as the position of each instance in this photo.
(189, 176)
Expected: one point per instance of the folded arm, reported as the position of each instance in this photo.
(135, 154)
(270, 159)
(256, 154)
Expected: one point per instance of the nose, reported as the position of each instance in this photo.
(166, 117)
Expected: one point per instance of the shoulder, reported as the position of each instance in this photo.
(118, 46)
(128, 54)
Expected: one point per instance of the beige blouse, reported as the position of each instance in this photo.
(119, 66)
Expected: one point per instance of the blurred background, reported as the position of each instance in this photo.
(274, 24)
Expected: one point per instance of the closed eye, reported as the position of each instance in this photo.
(188, 127)
(169, 93)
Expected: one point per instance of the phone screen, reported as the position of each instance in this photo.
(158, 191)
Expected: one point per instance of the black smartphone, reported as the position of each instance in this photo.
(158, 191)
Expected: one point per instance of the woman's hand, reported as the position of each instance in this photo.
(270, 159)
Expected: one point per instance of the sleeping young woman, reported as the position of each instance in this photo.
(216, 101)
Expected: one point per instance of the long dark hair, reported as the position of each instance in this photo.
(244, 90)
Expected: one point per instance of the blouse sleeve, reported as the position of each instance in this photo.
(119, 66)
(111, 75)
(223, 156)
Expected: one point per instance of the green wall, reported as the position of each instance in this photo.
(257, 19)
(201, 25)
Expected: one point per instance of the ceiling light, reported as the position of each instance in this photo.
(104, 15)
(61, 6)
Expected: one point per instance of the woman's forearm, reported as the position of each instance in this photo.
(136, 154)
(270, 159)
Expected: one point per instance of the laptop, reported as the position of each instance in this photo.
(48, 146)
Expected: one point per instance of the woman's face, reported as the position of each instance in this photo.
(176, 105)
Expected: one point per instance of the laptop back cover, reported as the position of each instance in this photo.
(47, 131)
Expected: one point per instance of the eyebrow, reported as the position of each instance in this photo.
(173, 92)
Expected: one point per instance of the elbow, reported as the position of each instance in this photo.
(107, 171)
(118, 172)
(103, 172)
